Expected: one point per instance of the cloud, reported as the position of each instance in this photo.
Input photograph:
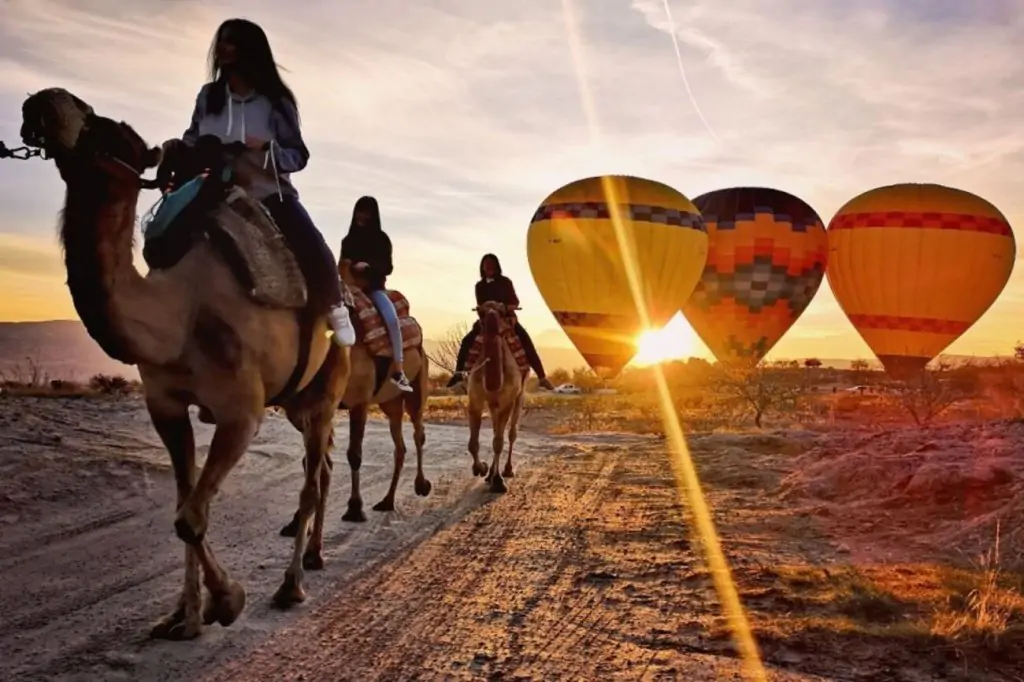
(461, 117)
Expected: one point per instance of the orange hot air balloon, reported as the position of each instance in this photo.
(588, 237)
(766, 259)
(913, 266)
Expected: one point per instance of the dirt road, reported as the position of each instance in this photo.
(88, 554)
(584, 571)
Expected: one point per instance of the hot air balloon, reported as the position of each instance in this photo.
(581, 262)
(766, 259)
(913, 266)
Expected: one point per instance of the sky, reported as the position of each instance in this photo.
(460, 117)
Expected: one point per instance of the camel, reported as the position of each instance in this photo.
(197, 337)
(365, 388)
(497, 382)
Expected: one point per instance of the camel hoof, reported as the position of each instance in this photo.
(480, 469)
(187, 533)
(508, 473)
(498, 485)
(355, 513)
(176, 627)
(290, 593)
(385, 505)
(225, 607)
(422, 487)
(292, 528)
(313, 560)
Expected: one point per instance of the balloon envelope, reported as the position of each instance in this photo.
(913, 266)
(766, 259)
(582, 263)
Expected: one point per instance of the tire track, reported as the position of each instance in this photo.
(397, 619)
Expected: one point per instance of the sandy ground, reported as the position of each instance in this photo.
(586, 570)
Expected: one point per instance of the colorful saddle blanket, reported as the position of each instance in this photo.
(370, 328)
(476, 351)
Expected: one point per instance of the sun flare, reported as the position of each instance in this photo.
(674, 341)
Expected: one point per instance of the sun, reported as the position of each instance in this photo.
(674, 341)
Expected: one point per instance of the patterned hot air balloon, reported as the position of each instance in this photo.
(766, 258)
(913, 266)
(580, 261)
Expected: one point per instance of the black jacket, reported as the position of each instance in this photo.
(373, 247)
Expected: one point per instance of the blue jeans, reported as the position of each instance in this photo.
(382, 302)
(314, 256)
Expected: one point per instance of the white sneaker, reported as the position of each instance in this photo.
(341, 324)
(402, 382)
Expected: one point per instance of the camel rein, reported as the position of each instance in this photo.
(109, 163)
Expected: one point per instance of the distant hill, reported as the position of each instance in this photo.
(63, 350)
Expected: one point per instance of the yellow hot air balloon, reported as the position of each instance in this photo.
(913, 266)
(766, 259)
(581, 262)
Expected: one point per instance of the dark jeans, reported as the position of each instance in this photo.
(311, 251)
(531, 351)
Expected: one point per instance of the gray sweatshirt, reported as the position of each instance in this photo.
(255, 116)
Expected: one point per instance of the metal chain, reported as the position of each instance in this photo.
(19, 153)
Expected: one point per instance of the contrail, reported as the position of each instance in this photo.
(682, 72)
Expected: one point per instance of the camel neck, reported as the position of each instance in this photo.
(119, 308)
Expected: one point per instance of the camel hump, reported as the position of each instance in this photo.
(370, 328)
(240, 228)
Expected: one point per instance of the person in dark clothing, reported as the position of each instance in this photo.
(367, 248)
(494, 286)
(247, 103)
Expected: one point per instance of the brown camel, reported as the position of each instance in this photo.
(198, 338)
(497, 382)
(366, 388)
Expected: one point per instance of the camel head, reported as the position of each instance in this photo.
(492, 315)
(81, 143)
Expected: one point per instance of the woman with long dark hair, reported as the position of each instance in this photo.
(367, 248)
(495, 286)
(246, 101)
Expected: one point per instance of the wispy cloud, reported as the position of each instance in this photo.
(460, 117)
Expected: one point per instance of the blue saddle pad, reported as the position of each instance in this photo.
(170, 206)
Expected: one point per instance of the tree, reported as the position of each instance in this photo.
(812, 363)
(559, 376)
(1018, 351)
(447, 349)
(934, 391)
(859, 368)
(762, 389)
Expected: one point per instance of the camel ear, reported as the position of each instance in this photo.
(152, 158)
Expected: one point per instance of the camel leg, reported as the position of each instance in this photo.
(392, 409)
(171, 422)
(230, 441)
(357, 416)
(501, 417)
(298, 419)
(313, 559)
(513, 432)
(316, 438)
(414, 407)
(476, 417)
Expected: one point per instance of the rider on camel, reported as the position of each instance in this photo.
(494, 286)
(367, 248)
(247, 103)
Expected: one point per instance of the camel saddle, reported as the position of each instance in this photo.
(238, 226)
(508, 333)
(370, 328)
